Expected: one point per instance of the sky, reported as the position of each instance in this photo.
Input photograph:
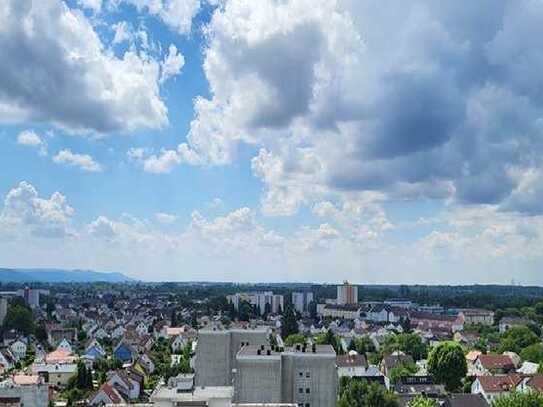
(377, 141)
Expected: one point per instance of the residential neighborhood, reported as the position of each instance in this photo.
(94, 345)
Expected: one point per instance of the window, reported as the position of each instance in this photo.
(301, 374)
(307, 390)
(307, 374)
(306, 404)
(300, 390)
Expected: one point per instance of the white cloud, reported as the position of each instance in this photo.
(94, 91)
(82, 161)
(176, 14)
(165, 217)
(94, 5)
(102, 227)
(334, 114)
(123, 32)
(215, 203)
(31, 139)
(172, 64)
(24, 211)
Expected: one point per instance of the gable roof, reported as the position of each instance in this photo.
(491, 362)
(499, 384)
(351, 360)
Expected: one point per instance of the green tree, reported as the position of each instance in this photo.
(328, 338)
(421, 401)
(533, 353)
(357, 393)
(447, 364)
(530, 399)
(19, 317)
(362, 344)
(408, 343)
(294, 339)
(517, 338)
(289, 323)
(402, 370)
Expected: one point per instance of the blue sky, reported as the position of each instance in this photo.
(275, 140)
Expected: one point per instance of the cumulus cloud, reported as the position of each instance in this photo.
(409, 102)
(56, 70)
(82, 161)
(29, 138)
(24, 211)
(165, 217)
(176, 14)
(102, 227)
(94, 5)
(123, 32)
(172, 64)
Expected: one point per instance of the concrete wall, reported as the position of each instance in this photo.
(258, 379)
(216, 354)
(35, 396)
(322, 380)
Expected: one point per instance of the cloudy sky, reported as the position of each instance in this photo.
(274, 140)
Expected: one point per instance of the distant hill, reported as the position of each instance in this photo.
(59, 276)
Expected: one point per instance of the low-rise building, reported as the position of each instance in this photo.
(492, 387)
(25, 390)
(477, 316)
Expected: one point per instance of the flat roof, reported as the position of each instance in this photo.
(199, 393)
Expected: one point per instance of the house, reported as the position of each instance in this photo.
(56, 333)
(60, 356)
(18, 348)
(493, 364)
(57, 374)
(142, 329)
(533, 383)
(492, 387)
(95, 351)
(106, 394)
(147, 363)
(128, 383)
(507, 323)
(123, 352)
(7, 360)
(118, 332)
(419, 385)
(477, 316)
(351, 365)
(100, 333)
(65, 345)
(396, 359)
(465, 400)
(425, 320)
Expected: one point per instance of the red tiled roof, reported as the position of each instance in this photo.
(496, 361)
(498, 384)
(536, 382)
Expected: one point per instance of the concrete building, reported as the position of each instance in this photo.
(25, 390)
(3, 309)
(347, 294)
(181, 391)
(346, 311)
(477, 316)
(55, 374)
(301, 301)
(265, 300)
(302, 376)
(216, 353)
